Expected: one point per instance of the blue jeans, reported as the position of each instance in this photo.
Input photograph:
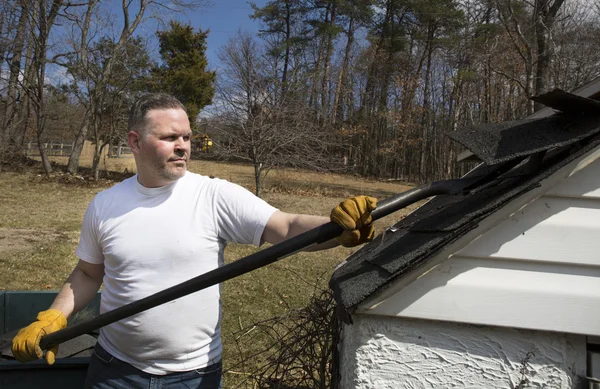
(108, 372)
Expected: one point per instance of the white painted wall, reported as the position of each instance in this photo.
(385, 353)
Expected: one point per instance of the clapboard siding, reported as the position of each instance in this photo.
(538, 268)
(551, 229)
(562, 226)
(585, 183)
(508, 293)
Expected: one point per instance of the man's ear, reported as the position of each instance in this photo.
(133, 140)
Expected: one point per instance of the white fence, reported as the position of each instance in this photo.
(58, 148)
(52, 148)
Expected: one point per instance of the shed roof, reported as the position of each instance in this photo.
(522, 154)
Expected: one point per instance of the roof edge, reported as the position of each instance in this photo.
(586, 156)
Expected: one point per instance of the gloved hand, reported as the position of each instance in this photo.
(26, 344)
(354, 215)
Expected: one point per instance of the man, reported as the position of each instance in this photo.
(155, 230)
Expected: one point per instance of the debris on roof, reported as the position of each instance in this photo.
(518, 155)
(499, 142)
(569, 103)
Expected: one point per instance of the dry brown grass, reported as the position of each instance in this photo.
(40, 222)
(277, 181)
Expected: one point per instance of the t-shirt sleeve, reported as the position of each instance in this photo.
(241, 216)
(89, 248)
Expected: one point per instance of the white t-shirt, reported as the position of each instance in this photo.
(150, 239)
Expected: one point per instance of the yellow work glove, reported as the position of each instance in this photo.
(354, 215)
(26, 345)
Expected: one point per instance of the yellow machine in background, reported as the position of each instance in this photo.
(201, 142)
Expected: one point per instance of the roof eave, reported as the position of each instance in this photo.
(548, 179)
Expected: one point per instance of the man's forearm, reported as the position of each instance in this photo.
(79, 289)
(303, 223)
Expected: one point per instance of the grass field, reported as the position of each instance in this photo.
(41, 218)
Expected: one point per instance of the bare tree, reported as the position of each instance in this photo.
(93, 92)
(515, 20)
(575, 63)
(310, 90)
(8, 16)
(530, 27)
(255, 123)
(545, 15)
(13, 95)
(281, 19)
(80, 63)
(356, 14)
(44, 15)
(95, 79)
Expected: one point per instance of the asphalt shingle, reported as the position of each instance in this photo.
(538, 148)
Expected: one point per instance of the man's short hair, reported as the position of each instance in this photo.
(148, 102)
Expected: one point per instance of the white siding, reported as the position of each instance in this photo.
(505, 293)
(392, 353)
(551, 229)
(527, 280)
(562, 226)
(537, 269)
(583, 184)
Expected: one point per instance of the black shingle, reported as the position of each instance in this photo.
(413, 241)
(569, 103)
(497, 143)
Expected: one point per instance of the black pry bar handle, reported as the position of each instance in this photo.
(254, 261)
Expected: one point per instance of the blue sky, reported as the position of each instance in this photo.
(223, 19)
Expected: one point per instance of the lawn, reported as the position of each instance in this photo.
(41, 219)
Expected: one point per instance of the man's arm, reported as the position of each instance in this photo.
(352, 214)
(80, 288)
(282, 226)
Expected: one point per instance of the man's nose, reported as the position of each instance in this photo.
(180, 143)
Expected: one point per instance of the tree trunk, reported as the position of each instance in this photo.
(545, 16)
(257, 178)
(529, 87)
(99, 95)
(342, 79)
(23, 117)
(313, 100)
(96, 165)
(98, 150)
(15, 70)
(327, 65)
(5, 21)
(73, 165)
(425, 149)
(75, 156)
(45, 161)
(286, 58)
(45, 24)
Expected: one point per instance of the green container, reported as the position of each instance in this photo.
(20, 308)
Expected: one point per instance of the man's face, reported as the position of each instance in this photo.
(164, 149)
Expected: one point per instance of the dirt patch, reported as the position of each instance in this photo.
(25, 239)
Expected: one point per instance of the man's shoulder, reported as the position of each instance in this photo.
(218, 186)
(126, 184)
(117, 190)
(199, 179)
